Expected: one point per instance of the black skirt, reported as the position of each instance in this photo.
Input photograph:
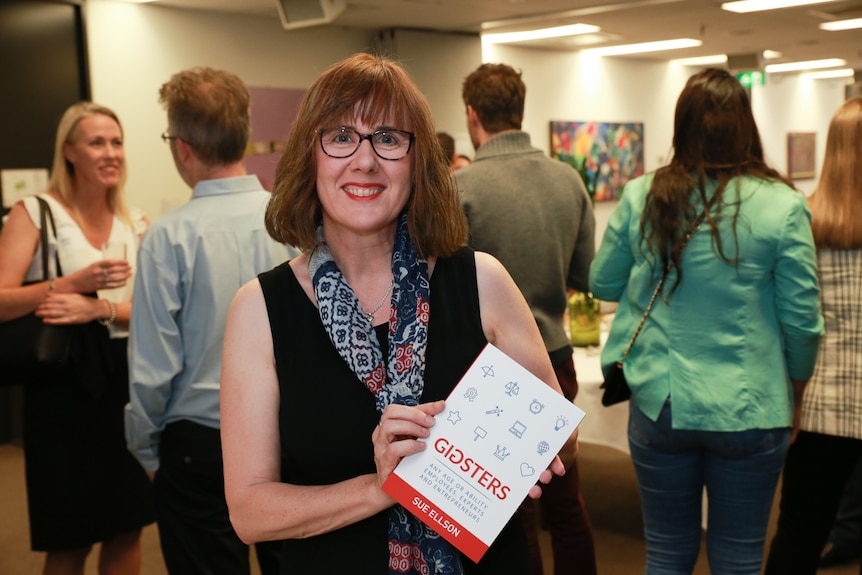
(83, 484)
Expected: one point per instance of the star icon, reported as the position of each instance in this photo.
(454, 417)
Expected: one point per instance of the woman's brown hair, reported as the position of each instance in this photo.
(715, 140)
(375, 89)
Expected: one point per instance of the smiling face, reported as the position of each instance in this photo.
(363, 194)
(95, 150)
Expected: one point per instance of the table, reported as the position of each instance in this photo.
(602, 425)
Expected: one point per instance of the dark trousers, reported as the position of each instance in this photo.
(815, 473)
(847, 528)
(562, 510)
(194, 528)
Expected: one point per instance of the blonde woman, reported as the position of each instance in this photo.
(83, 486)
(828, 446)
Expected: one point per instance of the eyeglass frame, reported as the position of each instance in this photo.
(411, 139)
(166, 137)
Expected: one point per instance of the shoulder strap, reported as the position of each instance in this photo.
(45, 214)
(657, 289)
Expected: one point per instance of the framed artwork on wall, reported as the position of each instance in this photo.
(800, 155)
(607, 155)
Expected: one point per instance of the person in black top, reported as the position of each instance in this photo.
(337, 362)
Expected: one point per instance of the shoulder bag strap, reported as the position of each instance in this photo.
(657, 289)
(44, 215)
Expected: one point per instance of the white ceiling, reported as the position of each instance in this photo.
(791, 31)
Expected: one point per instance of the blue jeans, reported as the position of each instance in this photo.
(739, 470)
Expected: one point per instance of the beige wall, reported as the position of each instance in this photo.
(133, 49)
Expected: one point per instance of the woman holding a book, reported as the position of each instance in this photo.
(336, 363)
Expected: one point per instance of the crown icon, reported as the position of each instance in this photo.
(501, 453)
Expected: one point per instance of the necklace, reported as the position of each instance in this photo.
(370, 314)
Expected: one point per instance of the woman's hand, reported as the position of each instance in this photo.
(103, 274)
(798, 393)
(562, 461)
(397, 435)
(555, 468)
(69, 308)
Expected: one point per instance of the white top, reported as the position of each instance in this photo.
(76, 252)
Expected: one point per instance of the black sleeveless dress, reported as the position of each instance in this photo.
(327, 415)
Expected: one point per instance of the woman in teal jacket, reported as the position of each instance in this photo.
(730, 341)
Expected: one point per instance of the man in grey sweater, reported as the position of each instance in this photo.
(534, 215)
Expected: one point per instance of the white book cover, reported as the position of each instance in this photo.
(500, 429)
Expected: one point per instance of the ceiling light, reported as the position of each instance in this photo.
(541, 34)
(771, 54)
(842, 25)
(645, 47)
(744, 6)
(701, 60)
(809, 65)
(825, 74)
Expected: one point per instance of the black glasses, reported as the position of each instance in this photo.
(343, 142)
(166, 136)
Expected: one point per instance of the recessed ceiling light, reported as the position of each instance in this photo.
(644, 47)
(825, 74)
(842, 25)
(541, 34)
(807, 65)
(743, 6)
(771, 54)
(701, 60)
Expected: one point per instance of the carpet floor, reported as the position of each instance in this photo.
(608, 486)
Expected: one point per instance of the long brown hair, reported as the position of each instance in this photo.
(715, 140)
(836, 197)
(376, 89)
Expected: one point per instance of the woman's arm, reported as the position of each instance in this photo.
(510, 326)
(508, 322)
(797, 292)
(18, 241)
(262, 508)
(609, 271)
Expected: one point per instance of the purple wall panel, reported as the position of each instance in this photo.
(273, 111)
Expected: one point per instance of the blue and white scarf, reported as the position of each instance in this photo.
(414, 548)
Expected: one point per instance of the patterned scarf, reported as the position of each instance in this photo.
(413, 547)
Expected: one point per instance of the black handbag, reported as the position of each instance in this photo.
(30, 350)
(616, 388)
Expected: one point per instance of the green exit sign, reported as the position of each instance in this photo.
(753, 78)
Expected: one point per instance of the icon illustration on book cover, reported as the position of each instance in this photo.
(502, 427)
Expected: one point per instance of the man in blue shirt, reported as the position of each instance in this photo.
(191, 262)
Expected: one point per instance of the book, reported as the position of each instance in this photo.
(500, 429)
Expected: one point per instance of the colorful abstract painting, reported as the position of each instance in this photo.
(607, 155)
